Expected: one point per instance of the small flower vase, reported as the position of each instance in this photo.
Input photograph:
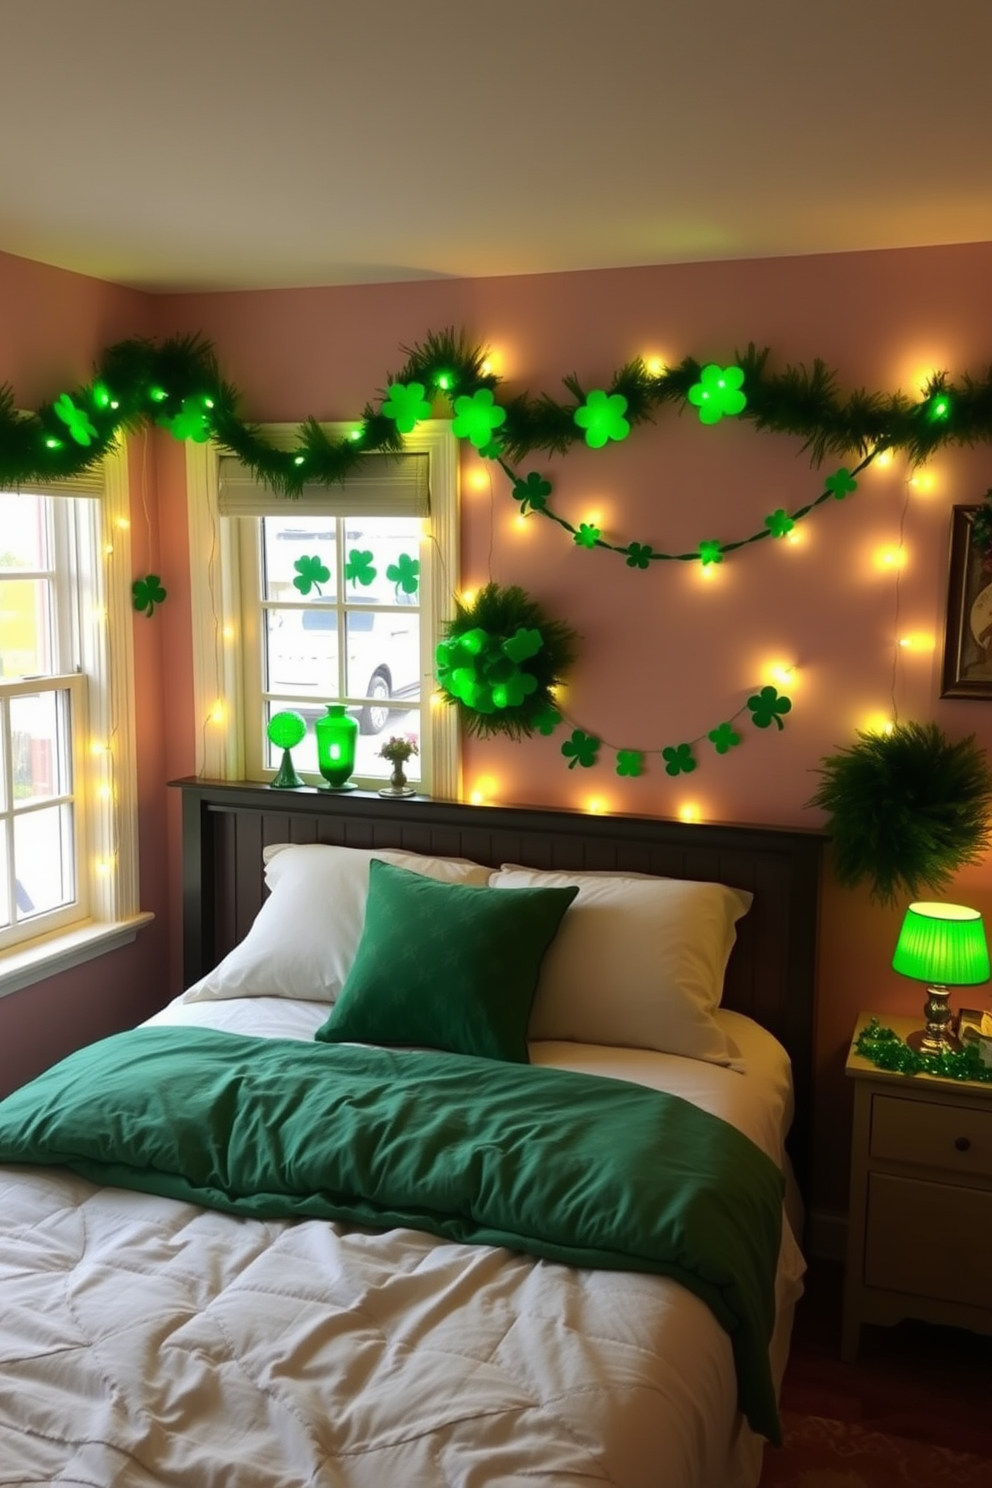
(397, 782)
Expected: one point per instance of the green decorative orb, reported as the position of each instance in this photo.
(286, 729)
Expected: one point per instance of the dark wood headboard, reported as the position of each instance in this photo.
(772, 970)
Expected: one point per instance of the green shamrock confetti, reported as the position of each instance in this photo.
(630, 762)
(718, 392)
(359, 569)
(779, 524)
(532, 492)
(723, 737)
(477, 417)
(679, 760)
(311, 573)
(710, 552)
(766, 707)
(602, 417)
(581, 749)
(638, 555)
(587, 535)
(841, 483)
(406, 405)
(523, 644)
(75, 420)
(191, 422)
(146, 593)
(405, 573)
(547, 721)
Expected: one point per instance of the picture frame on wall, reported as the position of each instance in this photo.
(968, 634)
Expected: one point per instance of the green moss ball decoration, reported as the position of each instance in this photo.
(907, 810)
(498, 661)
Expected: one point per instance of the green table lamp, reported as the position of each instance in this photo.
(285, 730)
(943, 945)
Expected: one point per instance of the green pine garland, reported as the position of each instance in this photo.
(885, 1049)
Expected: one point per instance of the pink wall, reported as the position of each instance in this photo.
(664, 655)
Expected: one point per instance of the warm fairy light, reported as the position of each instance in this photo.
(468, 598)
(218, 713)
(104, 865)
(923, 482)
(99, 746)
(594, 519)
(709, 571)
(884, 459)
(228, 632)
(479, 478)
(917, 642)
(108, 551)
(99, 613)
(436, 698)
(596, 806)
(689, 812)
(878, 723)
(781, 673)
(104, 792)
(656, 365)
(122, 523)
(890, 558)
(483, 791)
(520, 521)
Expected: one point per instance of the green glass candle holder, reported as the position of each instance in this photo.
(337, 735)
(285, 730)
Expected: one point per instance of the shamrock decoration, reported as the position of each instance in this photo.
(766, 707)
(581, 749)
(718, 392)
(532, 492)
(146, 593)
(406, 405)
(723, 738)
(710, 552)
(841, 483)
(311, 573)
(587, 535)
(547, 721)
(779, 524)
(192, 421)
(404, 573)
(511, 692)
(602, 417)
(359, 569)
(638, 555)
(492, 450)
(75, 420)
(629, 762)
(679, 760)
(523, 644)
(477, 417)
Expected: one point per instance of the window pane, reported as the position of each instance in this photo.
(43, 860)
(39, 741)
(4, 880)
(383, 554)
(296, 554)
(383, 662)
(26, 615)
(24, 543)
(303, 651)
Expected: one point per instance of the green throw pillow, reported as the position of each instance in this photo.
(446, 966)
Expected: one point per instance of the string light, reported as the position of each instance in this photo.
(689, 812)
(596, 806)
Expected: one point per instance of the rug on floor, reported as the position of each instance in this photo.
(819, 1453)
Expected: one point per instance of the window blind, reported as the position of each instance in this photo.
(384, 485)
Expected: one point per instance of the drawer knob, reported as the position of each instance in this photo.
(963, 1144)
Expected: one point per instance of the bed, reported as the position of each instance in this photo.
(544, 1235)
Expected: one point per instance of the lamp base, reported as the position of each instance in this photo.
(936, 1037)
(923, 1042)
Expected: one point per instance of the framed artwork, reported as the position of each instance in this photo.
(968, 636)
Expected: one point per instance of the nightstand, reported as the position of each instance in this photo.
(920, 1223)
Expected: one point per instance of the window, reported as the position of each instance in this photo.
(68, 840)
(335, 597)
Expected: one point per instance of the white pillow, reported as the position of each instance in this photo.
(304, 938)
(637, 961)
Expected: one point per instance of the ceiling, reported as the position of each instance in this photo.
(226, 144)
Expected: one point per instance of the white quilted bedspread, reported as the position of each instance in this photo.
(147, 1342)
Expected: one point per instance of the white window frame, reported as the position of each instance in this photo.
(96, 602)
(221, 703)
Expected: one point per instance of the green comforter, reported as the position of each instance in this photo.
(575, 1168)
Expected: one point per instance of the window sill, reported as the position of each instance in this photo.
(35, 960)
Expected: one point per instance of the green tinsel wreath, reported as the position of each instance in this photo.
(907, 809)
(498, 661)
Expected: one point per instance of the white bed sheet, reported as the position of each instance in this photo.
(147, 1343)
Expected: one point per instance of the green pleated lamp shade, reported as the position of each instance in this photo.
(943, 943)
(337, 735)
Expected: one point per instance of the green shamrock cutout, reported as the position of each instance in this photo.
(718, 392)
(404, 573)
(678, 760)
(710, 552)
(767, 706)
(602, 417)
(841, 483)
(587, 535)
(406, 405)
(492, 450)
(547, 721)
(359, 569)
(630, 762)
(191, 422)
(511, 692)
(638, 555)
(581, 749)
(779, 524)
(523, 644)
(311, 573)
(75, 420)
(146, 593)
(723, 738)
(532, 493)
(477, 417)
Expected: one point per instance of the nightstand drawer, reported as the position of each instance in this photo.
(929, 1239)
(956, 1140)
